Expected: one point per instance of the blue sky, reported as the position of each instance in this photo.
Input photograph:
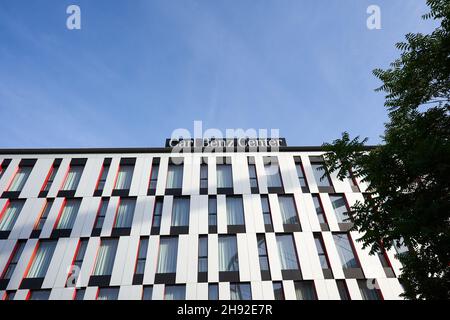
(139, 69)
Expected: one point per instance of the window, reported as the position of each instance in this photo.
(319, 209)
(262, 253)
(228, 254)
(288, 210)
(105, 257)
(44, 214)
(213, 291)
(340, 208)
(321, 251)
(278, 290)
(154, 175)
(318, 173)
(368, 290)
(273, 174)
(352, 180)
(300, 173)
(2, 169)
(20, 178)
(174, 176)
(41, 259)
(51, 177)
(142, 256)
(68, 214)
(101, 213)
(125, 213)
(286, 252)
(10, 214)
(203, 254)
(124, 177)
(157, 213)
(13, 260)
(79, 294)
(240, 291)
(78, 260)
(177, 292)
(212, 211)
(343, 290)
(266, 210)
(108, 293)
(204, 176)
(39, 295)
(253, 176)
(400, 246)
(147, 293)
(304, 290)
(103, 175)
(167, 259)
(73, 178)
(9, 295)
(180, 212)
(235, 211)
(224, 176)
(345, 250)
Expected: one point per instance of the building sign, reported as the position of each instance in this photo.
(239, 143)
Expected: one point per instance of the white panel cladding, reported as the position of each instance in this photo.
(187, 187)
(192, 258)
(261, 174)
(111, 211)
(193, 215)
(224, 291)
(55, 263)
(21, 294)
(147, 215)
(6, 249)
(151, 261)
(241, 179)
(166, 216)
(202, 291)
(120, 260)
(288, 173)
(301, 212)
(62, 294)
(51, 218)
(221, 214)
(353, 289)
(309, 210)
(212, 175)
(65, 263)
(213, 258)
(340, 186)
(88, 262)
(31, 209)
(274, 259)
(332, 289)
(247, 199)
(139, 212)
(9, 174)
(333, 256)
(267, 290)
(137, 177)
(255, 273)
(130, 260)
(321, 289)
(329, 212)
(22, 265)
(111, 178)
(90, 216)
(158, 292)
(145, 180)
(191, 291)
(162, 175)
(183, 254)
(395, 263)
(36, 179)
(308, 256)
(289, 290)
(276, 213)
(202, 214)
(59, 178)
(352, 198)
(370, 264)
(395, 288)
(312, 184)
(83, 212)
(89, 178)
(363, 185)
(290, 164)
(244, 265)
(195, 175)
(91, 293)
(257, 291)
(130, 293)
(258, 218)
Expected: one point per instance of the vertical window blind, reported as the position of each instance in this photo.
(68, 214)
(124, 177)
(175, 176)
(180, 212)
(304, 290)
(288, 209)
(168, 251)
(224, 176)
(9, 217)
(175, 292)
(345, 250)
(235, 211)
(240, 291)
(105, 257)
(286, 251)
(20, 178)
(108, 294)
(273, 175)
(41, 260)
(228, 254)
(125, 213)
(73, 178)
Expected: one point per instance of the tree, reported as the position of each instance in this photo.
(408, 175)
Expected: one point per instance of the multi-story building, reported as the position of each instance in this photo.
(152, 223)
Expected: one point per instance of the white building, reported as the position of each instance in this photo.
(152, 223)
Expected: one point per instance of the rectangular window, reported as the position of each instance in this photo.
(103, 175)
(262, 253)
(203, 254)
(321, 251)
(9, 295)
(343, 290)
(101, 213)
(39, 295)
(273, 175)
(224, 176)
(41, 259)
(228, 254)
(278, 290)
(68, 215)
(20, 178)
(352, 180)
(124, 177)
(235, 211)
(142, 256)
(72, 178)
(321, 180)
(13, 260)
(125, 213)
(368, 290)
(300, 173)
(319, 209)
(10, 213)
(180, 212)
(266, 210)
(78, 260)
(105, 257)
(204, 176)
(44, 214)
(345, 250)
(108, 293)
(154, 175)
(174, 176)
(51, 177)
(288, 210)
(240, 291)
(157, 213)
(304, 290)
(252, 174)
(286, 252)
(79, 294)
(213, 291)
(2, 169)
(212, 211)
(167, 259)
(147, 293)
(340, 207)
(177, 292)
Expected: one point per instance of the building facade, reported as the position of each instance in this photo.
(151, 223)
